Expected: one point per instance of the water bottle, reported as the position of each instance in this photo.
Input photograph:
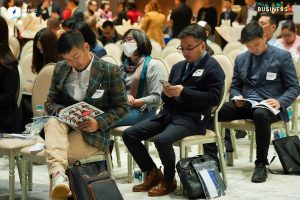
(38, 122)
(137, 176)
(39, 110)
(290, 112)
(282, 133)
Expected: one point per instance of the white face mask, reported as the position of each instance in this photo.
(129, 48)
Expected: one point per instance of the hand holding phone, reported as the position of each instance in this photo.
(165, 83)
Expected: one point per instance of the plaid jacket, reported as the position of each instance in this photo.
(105, 76)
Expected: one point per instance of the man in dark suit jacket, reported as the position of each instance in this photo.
(196, 86)
(180, 17)
(48, 9)
(228, 14)
(80, 77)
(262, 73)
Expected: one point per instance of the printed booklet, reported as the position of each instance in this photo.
(256, 104)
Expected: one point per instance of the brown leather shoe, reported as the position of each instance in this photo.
(153, 177)
(163, 188)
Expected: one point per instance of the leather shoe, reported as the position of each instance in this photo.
(260, 173)
(163, 188)
(153, 177)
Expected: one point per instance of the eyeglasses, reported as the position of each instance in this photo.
(180, 49)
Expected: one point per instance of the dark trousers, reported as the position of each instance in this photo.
(262, 118)
(167, 133)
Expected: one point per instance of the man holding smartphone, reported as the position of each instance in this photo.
(194, 87)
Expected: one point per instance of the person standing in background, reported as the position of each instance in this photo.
(209, 14)
(153, 23)
(180, 17)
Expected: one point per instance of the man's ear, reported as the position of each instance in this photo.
(86, 46)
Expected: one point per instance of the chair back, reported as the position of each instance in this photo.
(111, 59)
(21, 87)
(114, 50)
(233, 54)
(227, 66)
(167, 50)
(214, 46)
(174, 58)
(164, 68)
(230, 46)
(28, 75)
(175, 42)
(15, 46)
(41, 86)
(297, 67)
(26, 48)
(156, 49)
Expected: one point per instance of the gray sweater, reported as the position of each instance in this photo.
(152, 87)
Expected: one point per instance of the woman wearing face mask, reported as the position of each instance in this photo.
(141, 75)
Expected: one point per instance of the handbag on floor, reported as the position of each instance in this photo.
(92, 181)
(189, 173)
(288, 151)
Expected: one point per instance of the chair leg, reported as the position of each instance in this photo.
(117, 148)
(295, 117)
(109, 163)
(30, 168)
(11, 175)
(233, 141)
(129, 167)
(252, 138)
(222, 161)
(24, 174)
(19, 167)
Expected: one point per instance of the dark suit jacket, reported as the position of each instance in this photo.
(209, 15)
(9, 112)
(45, 14)
(181, 17)
(232, 16)
(113, 102)
(285, 86)
(192, 108)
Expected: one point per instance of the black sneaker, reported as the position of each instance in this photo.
(260, 173)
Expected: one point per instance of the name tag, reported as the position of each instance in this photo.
(271, 76)
(198, 72)
(98, 94)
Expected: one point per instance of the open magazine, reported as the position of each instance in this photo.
(256, 104)
(77, 113)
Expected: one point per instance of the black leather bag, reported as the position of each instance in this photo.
(189, 177)
(288, 151)
(92, 181)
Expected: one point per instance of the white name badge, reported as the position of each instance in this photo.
(271, 76)
(98, 94)
(198, 72)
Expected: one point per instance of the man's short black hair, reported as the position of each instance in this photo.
(76, 2)
(273, 18)
(68, 40)
(251, 31)
(108, 24)
(195, 31)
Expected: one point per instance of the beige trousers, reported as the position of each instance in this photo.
(64, 146)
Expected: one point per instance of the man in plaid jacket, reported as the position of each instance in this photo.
(81, 76)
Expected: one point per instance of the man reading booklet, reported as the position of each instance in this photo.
(263, 74)
(80, 77)
(255, 104)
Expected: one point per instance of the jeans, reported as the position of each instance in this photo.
(134, 116)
